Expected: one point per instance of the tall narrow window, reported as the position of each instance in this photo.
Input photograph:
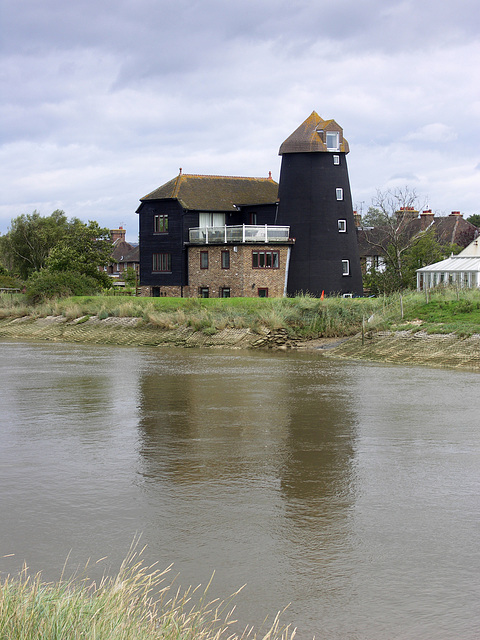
(342, 226)
(203, 259)
(332, 140)
(336, 159)
(225, 259)
(160, 224)
(339, 193)
(346, 267)
(162, 262)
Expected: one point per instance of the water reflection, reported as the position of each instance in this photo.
(314, 482)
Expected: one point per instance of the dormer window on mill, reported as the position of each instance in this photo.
(333, 140)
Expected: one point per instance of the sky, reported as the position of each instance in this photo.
(102, 101)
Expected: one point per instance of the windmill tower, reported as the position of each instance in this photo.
(315, 201)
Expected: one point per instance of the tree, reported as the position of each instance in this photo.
(426, 250)
(83, 249)
(30, 238)
(373, 218)
(474, 219)
(395, 235)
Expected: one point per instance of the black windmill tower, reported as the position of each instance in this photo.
(315, 201)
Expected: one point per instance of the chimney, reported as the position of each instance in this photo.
(426, 218)
(407, 213)
(457, 214)
(117, 234)
(357, 219)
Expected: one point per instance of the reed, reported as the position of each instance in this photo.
(136, 604)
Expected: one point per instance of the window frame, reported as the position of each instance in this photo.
(223, 290)
(202, 291)
(163, 262)
(265, 256)
(342, 225)
(203, 259)
(337, 140)
(160, 228)
(345, 267)
(225, 259)
(336, 159)
(339, 193)
(265, 289)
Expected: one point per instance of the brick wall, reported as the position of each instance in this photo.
(241, 278)
(172, 292)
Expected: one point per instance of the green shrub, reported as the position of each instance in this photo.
(46, 285)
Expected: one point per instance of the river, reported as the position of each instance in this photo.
(349, 491)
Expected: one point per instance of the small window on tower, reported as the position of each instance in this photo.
(339, 193)
(342, 226)
(336, 159)
(346, 267)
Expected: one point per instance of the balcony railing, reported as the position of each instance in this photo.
(239, 234)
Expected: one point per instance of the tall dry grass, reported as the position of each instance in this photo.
(136, 604)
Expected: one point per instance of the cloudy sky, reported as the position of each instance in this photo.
(101, 101)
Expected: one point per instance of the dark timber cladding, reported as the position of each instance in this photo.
(315, 201)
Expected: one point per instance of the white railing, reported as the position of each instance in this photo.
(239, 234)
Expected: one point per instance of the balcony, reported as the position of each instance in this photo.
(239, 234)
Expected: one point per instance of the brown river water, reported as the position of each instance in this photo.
(348, 491)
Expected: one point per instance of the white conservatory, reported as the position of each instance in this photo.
(462, 270)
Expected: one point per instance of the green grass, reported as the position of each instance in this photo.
(303, 317)
(136, 604)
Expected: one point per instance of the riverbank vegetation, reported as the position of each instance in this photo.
(447, 310)
(136, 604)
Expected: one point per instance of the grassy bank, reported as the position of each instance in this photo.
(301, 317)
(134, 605)
(446, 311)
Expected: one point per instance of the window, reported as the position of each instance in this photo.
(342, 226)
(333, 139)
(211, 220)
(339, 193)
(203, 259)
(160, 224)
(336, 159)
(203, 292)
(265, 259)
(252, 218)
(262, 292)
(346, 267)
(225, 259)
(225, 292)
(162, 262)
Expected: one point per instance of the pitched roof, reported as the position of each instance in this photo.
(309, 136)
(121, 250)
(447, 229)
(454, 263)
(216, 193)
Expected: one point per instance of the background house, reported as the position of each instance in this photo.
(125, 255)
(373, 241)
